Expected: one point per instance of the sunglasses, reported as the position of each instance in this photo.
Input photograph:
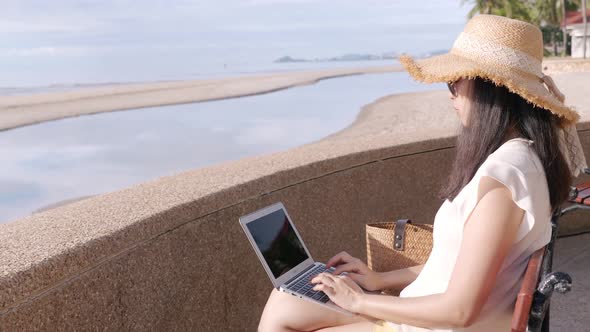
(452, 88)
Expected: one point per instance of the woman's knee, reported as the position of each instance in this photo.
(284, 312)
(274, 314)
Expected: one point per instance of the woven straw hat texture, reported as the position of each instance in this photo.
(505, 51)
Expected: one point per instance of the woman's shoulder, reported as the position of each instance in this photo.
(516, 165)
(517, 153)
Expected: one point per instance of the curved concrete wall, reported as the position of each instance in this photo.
(153, 273)
(170, 254)
(150, 273)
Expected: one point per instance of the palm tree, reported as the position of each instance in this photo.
(518, 9)
(548, 14)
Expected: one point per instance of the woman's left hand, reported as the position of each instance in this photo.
(340, 289)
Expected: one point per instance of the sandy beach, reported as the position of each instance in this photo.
(403, 115)
(23, 110)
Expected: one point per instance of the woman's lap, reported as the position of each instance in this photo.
(283, 310)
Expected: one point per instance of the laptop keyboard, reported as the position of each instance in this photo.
(305, 287)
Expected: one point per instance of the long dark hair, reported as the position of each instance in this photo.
(496, 113)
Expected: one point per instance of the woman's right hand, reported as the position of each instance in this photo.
(356, 270)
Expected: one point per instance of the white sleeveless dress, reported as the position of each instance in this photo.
(517, 166)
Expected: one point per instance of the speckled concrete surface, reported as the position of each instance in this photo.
(22, 110)
(160, 283)
(139, 258)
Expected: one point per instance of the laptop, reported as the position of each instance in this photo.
(283, 254)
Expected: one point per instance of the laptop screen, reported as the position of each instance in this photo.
(278, 242)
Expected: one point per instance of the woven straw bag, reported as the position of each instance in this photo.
(397, 245)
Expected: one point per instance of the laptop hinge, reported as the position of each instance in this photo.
(299, 274)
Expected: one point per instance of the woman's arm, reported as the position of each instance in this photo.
(368, 279)
(399, 279)
(488, 235)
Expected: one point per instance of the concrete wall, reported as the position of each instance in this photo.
(158, 281)
(189, 266)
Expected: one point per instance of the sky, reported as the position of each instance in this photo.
(65, 41)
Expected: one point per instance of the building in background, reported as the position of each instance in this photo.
(575, 27)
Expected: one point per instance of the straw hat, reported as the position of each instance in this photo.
(507, 52)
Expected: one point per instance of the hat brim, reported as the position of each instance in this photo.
(450, 67)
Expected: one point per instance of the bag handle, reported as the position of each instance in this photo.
(399, 234)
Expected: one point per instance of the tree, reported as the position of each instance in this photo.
(549, 14)
(517, 9)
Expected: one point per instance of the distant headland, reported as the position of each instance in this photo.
(357, 57)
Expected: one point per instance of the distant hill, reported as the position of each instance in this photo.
(290, 59)
(356, 57)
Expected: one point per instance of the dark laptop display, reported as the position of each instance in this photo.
(278, 242)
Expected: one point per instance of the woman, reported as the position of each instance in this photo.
(513, 167)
